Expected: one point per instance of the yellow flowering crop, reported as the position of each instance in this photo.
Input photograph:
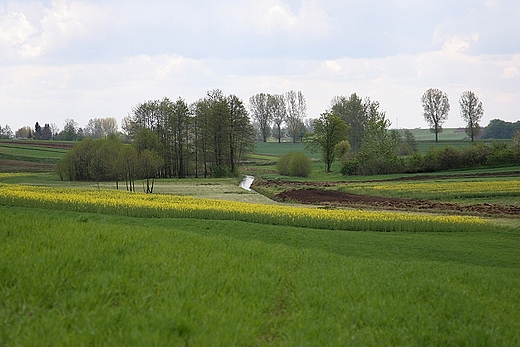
(170, 206)
(440, 189)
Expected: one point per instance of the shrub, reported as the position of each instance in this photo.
(350, 167)
(294, 164)
(414, 163)
(448, 158)
(282, 166)
(477, 154)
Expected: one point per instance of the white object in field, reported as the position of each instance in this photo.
(246, 182)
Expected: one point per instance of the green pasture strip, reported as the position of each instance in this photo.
(71, 278)
(447, 134)
(279, 149)
(41, 155)
(29, 158)
(169, 206)
(34, 148)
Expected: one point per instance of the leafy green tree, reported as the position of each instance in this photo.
(23, 133)
(149, 165)
(75, 165)
(436, 107)
(471, 111)
(46, 132)
(6, 132)
(147, 139)
(103, 166)
(342, 150)
(329, 130)
(126, 165)
(410, 140)
(37, 131)
(353, 111)
(241, 132)
(377, 154)
(499, 129)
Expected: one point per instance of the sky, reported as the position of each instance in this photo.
(95, 59)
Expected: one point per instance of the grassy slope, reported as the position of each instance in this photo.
(88, 279)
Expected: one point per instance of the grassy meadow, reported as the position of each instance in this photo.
(206, 263)
(71, 278)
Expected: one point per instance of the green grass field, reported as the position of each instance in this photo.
(77, 278)
(90, 279)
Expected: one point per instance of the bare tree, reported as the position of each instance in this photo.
(436, 107)
(259, 111)
(276, 107)
(296, 112)
(54, 130)
(101, 127)
(471, 111)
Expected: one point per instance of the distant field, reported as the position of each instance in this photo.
(448, 134)
(31, 156)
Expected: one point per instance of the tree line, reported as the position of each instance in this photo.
(169, 138)
(95, 128)
(358, 132)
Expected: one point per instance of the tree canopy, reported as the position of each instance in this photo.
(471, 111)
(436, 107)
(329, 131)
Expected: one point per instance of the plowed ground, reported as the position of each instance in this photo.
(340, 199)
(320, 193)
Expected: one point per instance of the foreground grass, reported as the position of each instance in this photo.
(72, 278)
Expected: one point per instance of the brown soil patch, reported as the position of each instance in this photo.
(7, 165)
(340, 199)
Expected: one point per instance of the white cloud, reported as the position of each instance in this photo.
(82, 59)
(15, 34)
(65, 23)
(510, 72)
(268, 18)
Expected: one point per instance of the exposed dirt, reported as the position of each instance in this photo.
(7, 165)
(340, 199)
(46, 144)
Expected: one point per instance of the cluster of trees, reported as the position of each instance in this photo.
(499, 129)
(5, 132)
(109, 159)
(274, 111)
(207, 138)
(437, 106)
(168, 139)
(353, 127)
(480, 154)
(96, 128)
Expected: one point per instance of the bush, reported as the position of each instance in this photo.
(477, 155)
(294, 164)
(350, 168)
(448, 158)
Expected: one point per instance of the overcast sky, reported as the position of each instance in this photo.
(93, 59)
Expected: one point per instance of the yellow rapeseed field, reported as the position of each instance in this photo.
(170, 206)
(440, 189)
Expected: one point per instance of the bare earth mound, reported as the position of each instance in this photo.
(341, 199)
